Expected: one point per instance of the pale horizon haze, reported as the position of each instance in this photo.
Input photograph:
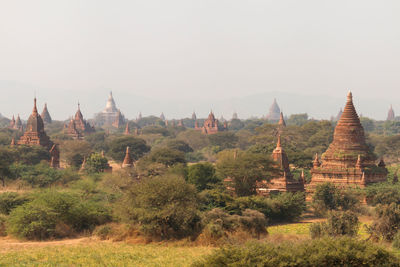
(182, 56)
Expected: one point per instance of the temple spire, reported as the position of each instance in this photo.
(316, 162)
(127, 131)
(128, 162)
(281, 122)
(35, 112)
(278, 145)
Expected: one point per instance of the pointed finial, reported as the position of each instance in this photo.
(79, 106)
(278, 145)
(349, 96)
(34, 106)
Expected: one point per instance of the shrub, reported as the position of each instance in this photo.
(329, 197)
(383, 193)
(216, 198)
(10, 200)
(284, 207)
(164, 207)
(54, 214)
(338, 223)
(327, 252)
(96, 163)
(386, 223)
(217, 223)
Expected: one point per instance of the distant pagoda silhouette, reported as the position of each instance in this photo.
(274, 112)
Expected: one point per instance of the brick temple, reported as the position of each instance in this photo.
(78, 127)
(35, 135)
(211, 125)
(285, 182)
(348, 160)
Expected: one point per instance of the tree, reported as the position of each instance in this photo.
(165, 207)
(96, 163)
(224, 140)
(118, 146)
(74, 151)
(338, 223)
(179, 145)
(6, 158)
(245, 170)
(166, 156)
(202, 175)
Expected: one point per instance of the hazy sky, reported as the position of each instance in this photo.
(194, 50)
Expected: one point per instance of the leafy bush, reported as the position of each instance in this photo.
(164, 207)
(42, 175)
(217, 223)
(383, 193)
(284, 207)
(96, 163)
(386, 223)
(216, 198)
(11, 200)
(327, 252)
(54, 214)
(338, 223)
(166, 156)
(329, 197)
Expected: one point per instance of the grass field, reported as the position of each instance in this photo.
(92, 253)
(103, 254)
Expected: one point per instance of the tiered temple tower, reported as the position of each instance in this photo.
(46, 115)
(285, 182)
(281, 122)
(274, 112)
(348, 160)
(110, 114)
(35, 135)
(78, 127)
(211, 125)
(390, 116)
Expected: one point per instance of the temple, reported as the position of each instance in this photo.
(78, 127)
(194, 116)
(211, 125)
(110, 114)
(235, 116)
(46, 115)
(348, 160)
(281, 122)
(119, 120)
(162, 116)
(390, 116)
(16, 124)
(274, 112)
(128, 162)
(35, 135)
(339, 115)
(285, 182)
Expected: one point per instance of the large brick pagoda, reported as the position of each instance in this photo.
(348, 160)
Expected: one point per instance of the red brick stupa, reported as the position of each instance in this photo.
(348, 160)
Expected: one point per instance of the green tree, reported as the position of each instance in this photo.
(6, 158)
(223, 140)
(165, 207)
(245, 170)
(179, 145)
(96, 163)
(202, 175)
(117, 147)
(166, 156)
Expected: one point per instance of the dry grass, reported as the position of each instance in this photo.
(87, 252)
